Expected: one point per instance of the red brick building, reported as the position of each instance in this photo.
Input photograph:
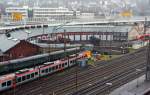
(19, 50)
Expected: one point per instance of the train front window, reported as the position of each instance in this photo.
(3, 84)
(8, 83)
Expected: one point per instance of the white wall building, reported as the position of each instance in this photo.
(54, 13)
(87, 15)
(48, 13)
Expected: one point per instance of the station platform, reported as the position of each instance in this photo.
(136, 87)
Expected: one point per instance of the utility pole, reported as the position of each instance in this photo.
(61, 27)
(64, 40)
(148, 55)
(49, 46)
(148, 63)
(76, 80)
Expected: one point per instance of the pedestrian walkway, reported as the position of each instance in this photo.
(136, 87)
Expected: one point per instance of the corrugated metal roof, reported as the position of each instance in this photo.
(22, 34)
(6, 44)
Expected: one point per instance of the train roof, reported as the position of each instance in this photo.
(26, 71)
(7, 76)
(35, 57)
(72, 55)
(47, 64)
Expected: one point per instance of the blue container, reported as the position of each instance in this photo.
(82, 62)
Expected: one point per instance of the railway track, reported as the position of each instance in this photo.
(67, 83)
(82, 82)
(101, 87)
(118, 83)
(94, 78)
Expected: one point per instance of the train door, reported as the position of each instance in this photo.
(66, 64)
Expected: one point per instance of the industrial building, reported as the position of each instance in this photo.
(14, 49)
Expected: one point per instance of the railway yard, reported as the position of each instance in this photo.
(104, 77)
(74, 47)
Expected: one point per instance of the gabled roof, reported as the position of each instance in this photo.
(1, 53)
(7, 43)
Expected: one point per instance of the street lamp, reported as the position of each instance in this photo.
(111, 41)
(109, 85)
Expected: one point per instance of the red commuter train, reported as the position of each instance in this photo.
(144, 37)
(26, 75)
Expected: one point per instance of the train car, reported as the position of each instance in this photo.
(49, 68)
(13, 65)
(6, 81)
(26, 75)
(46, 68)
